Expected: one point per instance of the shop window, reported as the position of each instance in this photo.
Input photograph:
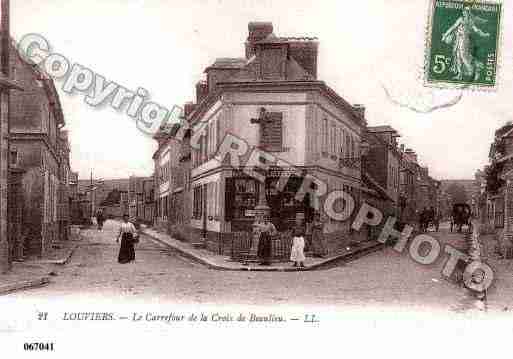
(245, 198)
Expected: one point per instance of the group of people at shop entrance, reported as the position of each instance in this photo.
(305, 238)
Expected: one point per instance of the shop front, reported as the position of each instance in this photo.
(242, 196)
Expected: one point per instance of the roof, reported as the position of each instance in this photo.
(168, 132)
(228, 63)
(376, 186)
(287, 85)
(48, 83)
(504, 131)
(54, 99)
(273, 39)
(508, 133)
(383, 129)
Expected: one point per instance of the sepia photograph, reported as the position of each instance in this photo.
(223, 177)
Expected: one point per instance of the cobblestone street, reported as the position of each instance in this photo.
(384, 278)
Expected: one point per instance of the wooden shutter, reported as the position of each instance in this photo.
(218, 135)
(229, 196)
(272, 132)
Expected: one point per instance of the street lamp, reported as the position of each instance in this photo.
(93, 187)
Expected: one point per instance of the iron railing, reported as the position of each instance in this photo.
(281, 245)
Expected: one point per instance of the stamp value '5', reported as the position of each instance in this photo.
(463, 43)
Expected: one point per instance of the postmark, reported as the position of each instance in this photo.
(463, 44)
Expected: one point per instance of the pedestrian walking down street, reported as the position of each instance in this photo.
(265, 230)
(319, 250)
(129, 236)
(100, 219)
(297, 253)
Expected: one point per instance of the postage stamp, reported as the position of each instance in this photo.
(463, 44)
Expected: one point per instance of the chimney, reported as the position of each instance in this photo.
(412, 154)
(257, 31)
(305, 51)
(201, 91)
(360, 110)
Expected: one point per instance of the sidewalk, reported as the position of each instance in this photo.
(35, 272)
(220, 262)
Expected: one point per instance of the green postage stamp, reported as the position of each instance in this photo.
(463, 43)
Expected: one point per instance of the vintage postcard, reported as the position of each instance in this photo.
(250, 178)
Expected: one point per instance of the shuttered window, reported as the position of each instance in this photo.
(271, 137)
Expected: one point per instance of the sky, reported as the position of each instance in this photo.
(371, 52)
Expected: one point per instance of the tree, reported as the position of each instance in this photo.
(458, 193)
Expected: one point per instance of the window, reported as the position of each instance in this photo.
(343, 153)
(197, 209)
(165, 207)
(216, 201)
(204, 147)
(339, 142)
(212, 199)
(348, 146)
(271, 136)
(213, 138)
(14, 157)
(325, 135)
(200, 150)
(241, 197)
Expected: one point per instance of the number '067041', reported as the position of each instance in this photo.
(38, 347)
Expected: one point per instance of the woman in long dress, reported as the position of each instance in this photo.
(318, 247)
(460, 36)
(127, 234)
(265, 230)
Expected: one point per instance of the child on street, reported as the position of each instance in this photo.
(297, 253)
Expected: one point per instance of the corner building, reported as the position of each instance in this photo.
(272, 101)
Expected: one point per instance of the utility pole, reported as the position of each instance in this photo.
(91, 196)
(4, 136)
